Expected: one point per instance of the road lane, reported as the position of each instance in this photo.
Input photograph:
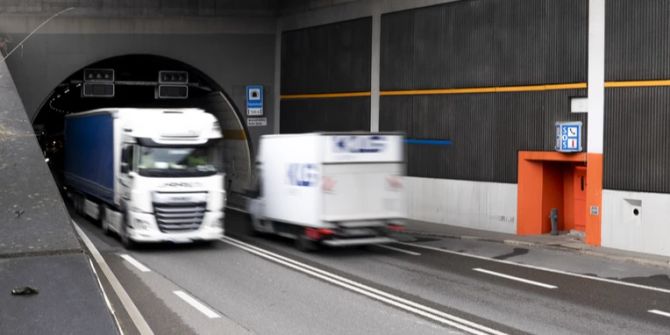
(262, 297)
(254, 294)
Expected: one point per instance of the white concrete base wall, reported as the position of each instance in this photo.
(479, 205)
(647, 232)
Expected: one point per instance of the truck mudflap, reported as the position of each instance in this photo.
(357, 241)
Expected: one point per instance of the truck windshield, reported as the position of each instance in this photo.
(175, 162)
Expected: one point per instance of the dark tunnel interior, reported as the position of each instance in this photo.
(135, 84)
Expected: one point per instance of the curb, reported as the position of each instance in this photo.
(519, 243)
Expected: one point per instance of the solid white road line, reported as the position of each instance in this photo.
(519, 279)
(134, 313)
(571, 274)
(413, 253)
(390, 299)
(661, 313)
(135, 263)
(104, 295)
(197, 305)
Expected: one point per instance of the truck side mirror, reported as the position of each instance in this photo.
(124, 168)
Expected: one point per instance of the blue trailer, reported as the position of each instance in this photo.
(89, 155)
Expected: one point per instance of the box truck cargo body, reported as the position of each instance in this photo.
(149, 175)
(334, 189)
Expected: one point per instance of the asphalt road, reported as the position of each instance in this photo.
(262, 285)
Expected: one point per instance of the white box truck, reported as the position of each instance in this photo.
(333, 189)
(149, 175)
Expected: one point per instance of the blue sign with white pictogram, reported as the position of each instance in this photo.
(569, 136)
(254, 100)
(359, 144)
(302, 174)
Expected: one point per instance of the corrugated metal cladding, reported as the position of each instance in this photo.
(486, 130)
(338, 114)
(326, 59)
(637, 141)
(481, 43)
(485, 43)
(636, 42)
(637, 136)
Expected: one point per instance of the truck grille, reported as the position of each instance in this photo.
(179, 216)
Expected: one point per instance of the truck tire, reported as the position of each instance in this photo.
(304, 244)
(104, 223)
(127, 242)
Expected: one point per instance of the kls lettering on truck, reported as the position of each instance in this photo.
(302, 174)
(359, 144)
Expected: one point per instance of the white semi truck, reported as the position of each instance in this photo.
(334, 189)
(149, 175)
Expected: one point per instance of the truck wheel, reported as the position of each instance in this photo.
(305, 244)
(127, 242)
(103, 222)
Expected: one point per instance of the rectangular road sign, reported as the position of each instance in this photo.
(254, 100)
(569, 136)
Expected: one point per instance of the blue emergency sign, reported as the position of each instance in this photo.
(569, 136)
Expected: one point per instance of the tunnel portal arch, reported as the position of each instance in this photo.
(135, 83)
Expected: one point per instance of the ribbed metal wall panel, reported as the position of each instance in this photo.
(339, 114)
(637, 132)
(486, 130)
(567, 41)
(481, 43)
(637, 139)
(521, 40)
(485, 43)
(637, 44)
(325, 59)
(397, 51)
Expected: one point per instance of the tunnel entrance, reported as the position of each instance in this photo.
(144, 81)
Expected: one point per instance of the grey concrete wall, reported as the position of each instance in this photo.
(234, 48)
(38, 246)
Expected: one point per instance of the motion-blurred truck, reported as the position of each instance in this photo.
(332, 189)
(150, 175)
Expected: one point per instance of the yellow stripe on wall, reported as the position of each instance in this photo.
(639, 83)
(476, 90)
(325, 95)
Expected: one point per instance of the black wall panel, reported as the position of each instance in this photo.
(327, 59)
(397, 51)
(480, 43)
(338, 114)
(487, 130)
(520, 39)
(637, 142)
(637, 120)
(637, 44)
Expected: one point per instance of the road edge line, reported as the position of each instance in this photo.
(132, 310)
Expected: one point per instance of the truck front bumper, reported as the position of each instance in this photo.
(145, 229)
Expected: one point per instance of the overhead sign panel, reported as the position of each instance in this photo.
(98, 83)
(172, 85)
